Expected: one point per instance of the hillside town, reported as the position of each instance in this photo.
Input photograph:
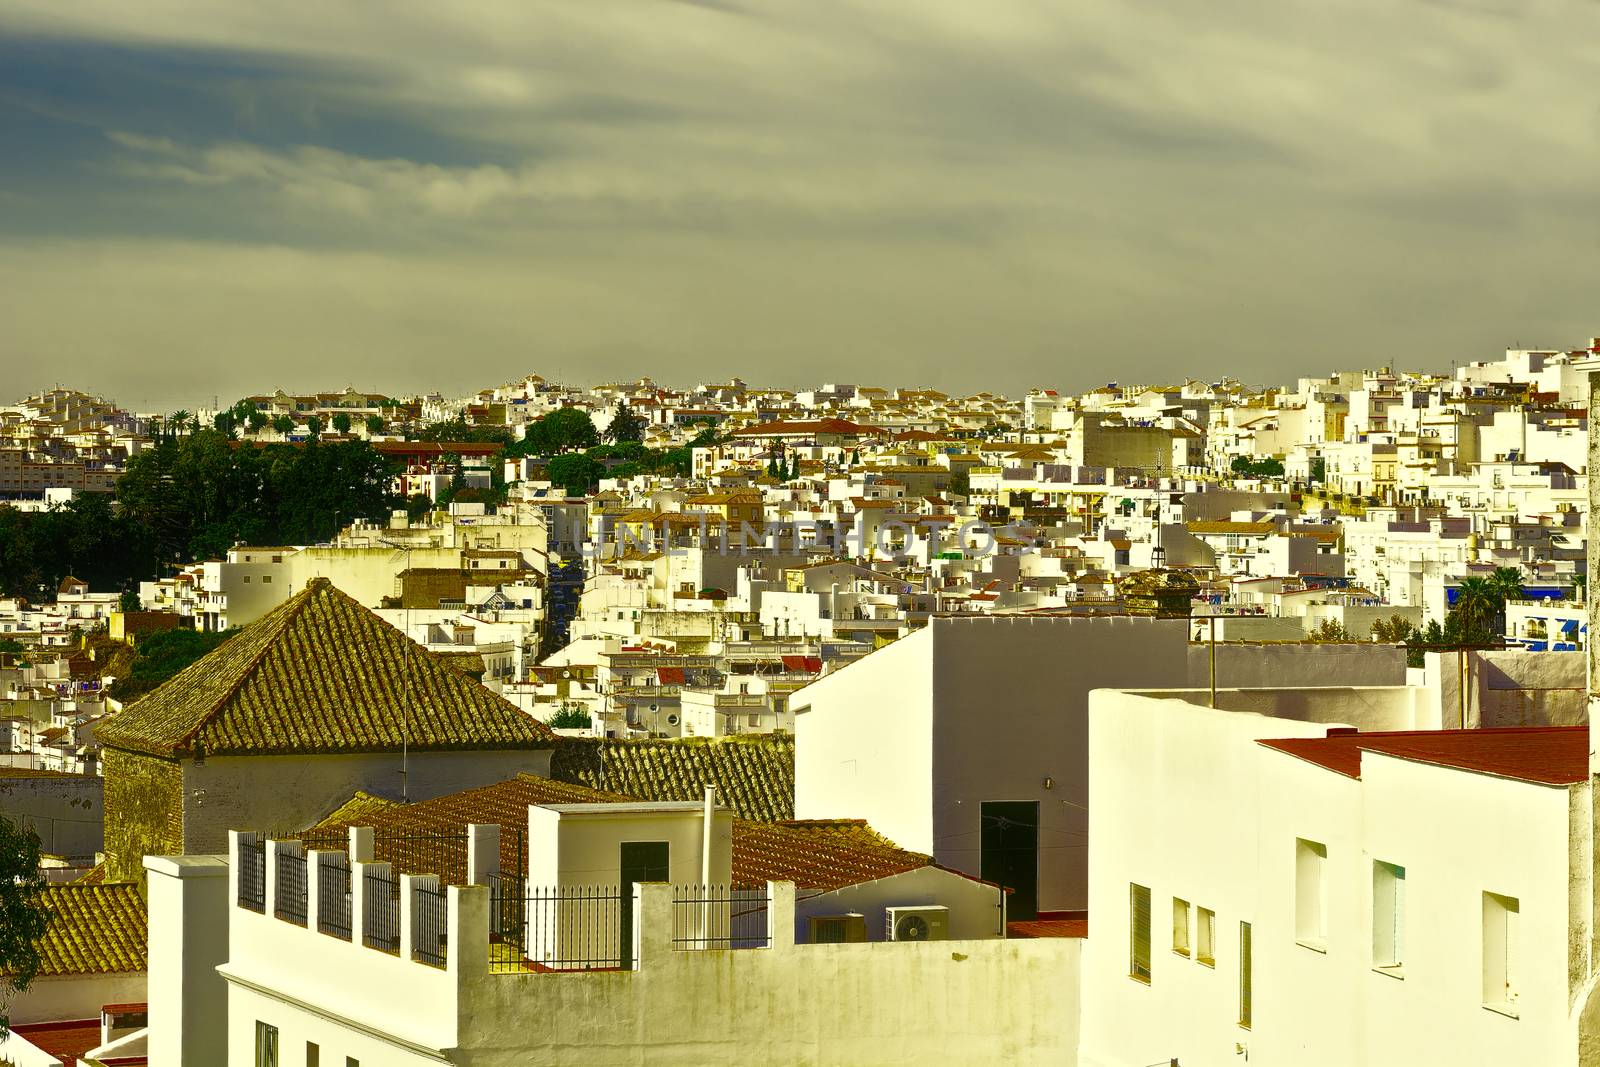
(1185, 723)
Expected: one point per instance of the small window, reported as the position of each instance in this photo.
(247, 579)
(1310, 915)
(266, 1045)
(1389, 918)
(1139, 921)
(313, 1054)
(1205, 936)
(1500, 921)
(1245, 1005)
(266, 579)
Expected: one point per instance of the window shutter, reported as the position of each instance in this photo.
(1245, 965)
(1139, 906)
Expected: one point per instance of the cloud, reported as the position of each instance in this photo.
(842, 187)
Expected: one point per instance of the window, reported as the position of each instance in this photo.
(1180, 926)
(1500, 915)
(1139, 920)
(247, 579)
(266, 1045)
(313, 1054)
(1205, 936)
(266, 579)
(1389, 918)
(1310, 917)
(1244, 975)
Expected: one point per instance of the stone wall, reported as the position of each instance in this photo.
(143, 811)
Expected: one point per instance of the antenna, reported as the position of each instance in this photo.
(405, 711)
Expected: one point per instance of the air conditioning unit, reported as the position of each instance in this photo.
(921, 922)
(845, 929)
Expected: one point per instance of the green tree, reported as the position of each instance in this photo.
(626, 424)
(341, 422)
(961, 484)
(315, 425)
(1475, 608)
(575, 471)
(1319, 470)
(1395, 630)
(569, 429)
(24, 917)
(257, 420)
(129, 601)
(570, 716)
(1330, 632)
(10, 646)
(374, 424)
(283, 424)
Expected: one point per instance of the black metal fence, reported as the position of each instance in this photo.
(719, 917)
(289, 902)
(429, 925)
(381, 921)
(558, 928)
(333, 894)
(253, 874)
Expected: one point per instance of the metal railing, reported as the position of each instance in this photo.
(558, 928)
(719, 917)
(381, 919)
(289, 902)
(429, 924)
(253, 875)
(333, 894)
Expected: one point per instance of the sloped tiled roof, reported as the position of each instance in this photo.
(1545, 755)
(94, 929)
(319, 674)
(426, 837)
(754, 776)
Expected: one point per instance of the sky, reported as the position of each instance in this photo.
(205, 198)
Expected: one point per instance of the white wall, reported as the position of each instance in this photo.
(864, 743)
(189, 907)
(976, 908)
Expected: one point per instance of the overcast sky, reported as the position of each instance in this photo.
(203, 198)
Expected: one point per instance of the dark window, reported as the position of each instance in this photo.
(1009, 852)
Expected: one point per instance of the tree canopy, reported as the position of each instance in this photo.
(23, 917)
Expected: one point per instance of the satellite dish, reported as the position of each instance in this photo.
(672, 720)
(655, 707)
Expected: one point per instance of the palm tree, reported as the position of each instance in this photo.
(179, 421)
(1476, 604)
(1506, 583)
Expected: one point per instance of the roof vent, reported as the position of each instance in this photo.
(1342, 731)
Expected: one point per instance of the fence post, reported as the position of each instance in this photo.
(408, 913)
(361, 842)
(780, 915)
(652, 923)
(483, 852)
(314, 889)
(238, 840)
(358, 902)
(468, 923)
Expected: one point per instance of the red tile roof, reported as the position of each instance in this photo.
(1546, 755)
(66, 1041)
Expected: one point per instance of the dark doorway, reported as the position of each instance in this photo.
(1010, 853)
(641, 861)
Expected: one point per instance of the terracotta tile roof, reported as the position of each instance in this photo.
(1546, 755)
(427, 837)
(94, 929)
(318, 674)
(361, 805)
(66, 1041)
(1045, 927)
(754, 776)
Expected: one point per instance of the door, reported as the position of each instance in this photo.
(640, 861)
(1009, 847)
